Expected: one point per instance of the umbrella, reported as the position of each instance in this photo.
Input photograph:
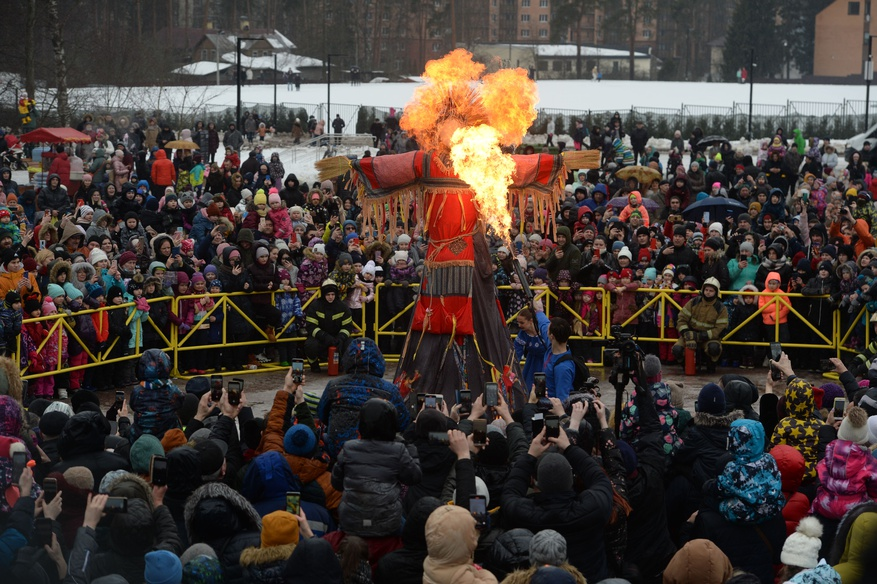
(182, 145)
(716, 206)
(708, 141)
(643, 174)
(622, 202)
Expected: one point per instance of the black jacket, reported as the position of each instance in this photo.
(82, 444)
(405, 565)
(579, 517)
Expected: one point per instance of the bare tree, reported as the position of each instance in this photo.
(30, 83)
(60, 60)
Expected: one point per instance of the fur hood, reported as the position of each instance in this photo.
(75, 268)
(706, 420)
(245, 510)
(258, 556)
(310, 255)
(58, 267)
(131, 486)
(526, 576)
(384, 247)
(12, 385)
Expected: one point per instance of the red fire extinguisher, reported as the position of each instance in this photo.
(690, 361)
(333, 361)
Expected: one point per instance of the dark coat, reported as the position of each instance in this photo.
(579, 517)
(82, 444)
(405, 565)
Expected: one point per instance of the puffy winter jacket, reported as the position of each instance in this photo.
(405, 566)
(163, 172)
(800, 428)
(61, 167)
(790, 463)
(847, 477)
(54, 198)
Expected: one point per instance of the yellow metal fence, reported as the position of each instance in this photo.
(378, 324)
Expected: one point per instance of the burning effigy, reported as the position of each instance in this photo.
(459, 186)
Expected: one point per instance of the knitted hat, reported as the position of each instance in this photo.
(12, 297)
(54, 291)
(279, 528)
(320, 249)
(72, 292)
(652, 369)
(830, 250)
(554, 473)
(53, 423)
(327, 184)
(619, 245)
(195, 550)
(142, 451)
(540, 273)
(802, 547)
(79, 477)
(400, 256)
(697, 235)
(552, 575)
(260, 198)
(273, 198)
(97, 255)
(31, 305)
(345, 258)
(299, 440)
(548, 547)
(711, 400)
(404, 238)
(625, 253)
(714, 243)
(128, 256)
(162, 567)
(262, 252)
(854, 427)
(213, 210)
(716, 227)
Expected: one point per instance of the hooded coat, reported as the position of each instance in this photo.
(223, 519)
(343, 397)
(847, 477)
(54, 199)
(370, 473)
(405, 565)
(571, 260)
(82, 444)
(163, 173)
(790, 463)
(640, 208)
(800, 428)
(451, 539)
(750, 487)
(857, 561)
(156, 399)
(61, 167)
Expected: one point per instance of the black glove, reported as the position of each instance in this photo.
(703, 336)
(324, 337)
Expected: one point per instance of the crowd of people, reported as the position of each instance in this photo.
(361, 483)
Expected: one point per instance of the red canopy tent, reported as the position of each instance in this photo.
(55, 136)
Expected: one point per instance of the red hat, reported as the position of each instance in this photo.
(644, 256)
(5, 213)
(612, 275)
(626, 273)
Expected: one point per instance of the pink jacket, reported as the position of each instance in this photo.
(848, 476)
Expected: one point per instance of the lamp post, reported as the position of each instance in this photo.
(869, 76)
(751, 80)
(329, 85)
(274, 119)
(237, 121)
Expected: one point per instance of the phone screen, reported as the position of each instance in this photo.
(490, 394)
(539, 384)
(439, 437)
(429, 402)
(120, 398)
(158, 471)
(840, 404)
(465, 401)
(478, 509)
(293, 502)
(175, 251)
(479, 432)
(552, 427)
(298, 369)
(19, 461)
(116, 505)
(234, 393)
(215, 388)
(538, 423)
(50, 488)
(438, 401)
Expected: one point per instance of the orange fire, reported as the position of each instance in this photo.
(466, 117)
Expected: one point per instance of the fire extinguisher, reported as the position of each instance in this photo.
(690, 361)
(333, 361)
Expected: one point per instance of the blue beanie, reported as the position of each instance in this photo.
(711, 400)
(162, 567)
(650, 274)
(54, 290)
(299, 440)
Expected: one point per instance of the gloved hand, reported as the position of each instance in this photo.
(689, 336)
(324, 337)
(142, 304)
(692, 344)
(703, 336)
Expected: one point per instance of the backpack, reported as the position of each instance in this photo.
(582, 372)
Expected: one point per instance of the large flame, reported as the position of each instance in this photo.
(460, 115)
(478, 160)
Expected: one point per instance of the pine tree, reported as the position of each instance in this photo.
(754, 26)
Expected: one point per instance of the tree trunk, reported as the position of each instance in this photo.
(30, 84)
(579, 47)
(60, 61)
(631, 35)
(139, 10)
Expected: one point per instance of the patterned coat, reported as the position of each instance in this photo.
(847, 477)
(667, 415)
(800, 429)
(750, 486)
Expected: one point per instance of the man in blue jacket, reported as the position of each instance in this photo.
(560, 369)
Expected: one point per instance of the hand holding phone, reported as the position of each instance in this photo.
(235, 390)
(478, 509)
(293, 502)
(215, 388)
(158, 471)
(490, 394)
(552, 427)
(539, 385)
(479, 432)
(297, 368)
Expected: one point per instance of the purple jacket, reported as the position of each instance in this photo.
(848, 476)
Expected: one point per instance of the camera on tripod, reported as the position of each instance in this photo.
(627, 353)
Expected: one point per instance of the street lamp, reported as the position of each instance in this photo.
(751, 80)
(237, 121)
(329, 85)
(869, 76)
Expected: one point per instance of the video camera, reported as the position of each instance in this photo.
(627, 353)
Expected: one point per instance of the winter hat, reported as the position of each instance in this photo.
(716, 226)
(195, 550)
(854, 427)
(142, 451)
(320, 249)
(714, 243)
(262, 252)
(400, 256)
(821, 574)
(868, 402)
(54, 290)
(699, 560)
(711, 400)
(625, 252)
(162, 567)
(79, 477)
(802, 547)
(52, 423)
(96, 256)
(273, 198)
(552, 575)
(540, 273)
(548, 547)
(299, 440)
(830, 250)
(369, 268)
(619, 245)
(825, 266)
(128, 256)
(31, 304)
(650, 274)
(554, 473)
(697, 235)
(260, 198)
(327, 184)
(405, 238)
(12, 297)
(279, 528)
(345, 258)
(173, 438)
(652, 369)
(72, 291)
